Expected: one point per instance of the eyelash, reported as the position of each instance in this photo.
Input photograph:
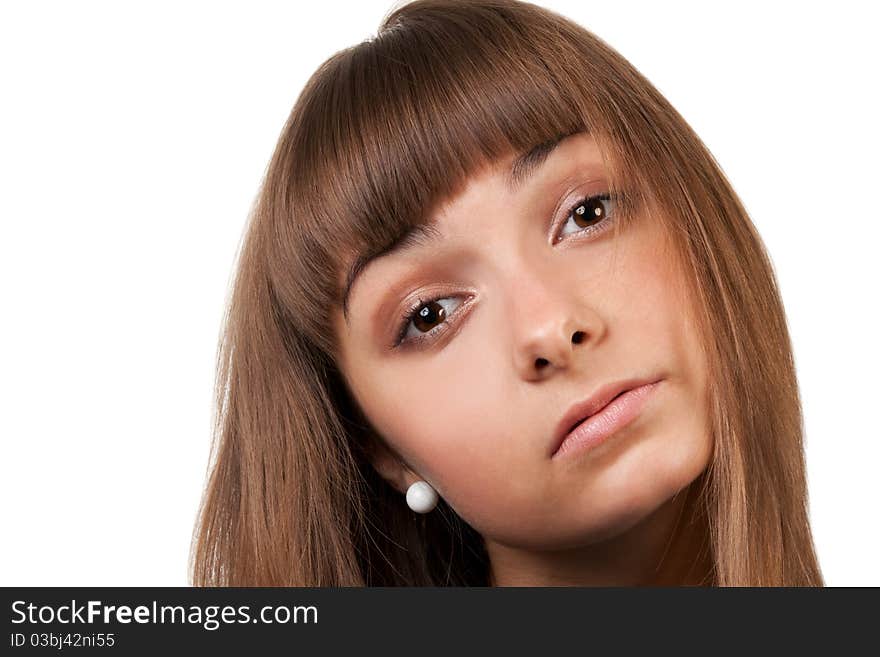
(410, 313)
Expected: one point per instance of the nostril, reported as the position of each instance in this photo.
(541, 362)
(578, 337)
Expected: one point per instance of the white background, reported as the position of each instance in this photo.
(133, 138)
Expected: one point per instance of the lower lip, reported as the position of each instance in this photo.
(595, 430)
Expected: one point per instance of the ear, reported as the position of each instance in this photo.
(391, 467)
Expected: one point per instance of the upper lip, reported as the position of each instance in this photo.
(581, 410)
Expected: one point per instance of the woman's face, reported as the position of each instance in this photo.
(543, 307)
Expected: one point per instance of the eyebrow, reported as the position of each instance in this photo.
(425, 234)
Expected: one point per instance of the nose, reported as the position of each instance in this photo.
(554, 325)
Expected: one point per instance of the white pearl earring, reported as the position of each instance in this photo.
(421, 497)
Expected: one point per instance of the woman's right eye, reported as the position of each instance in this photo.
(427, 317)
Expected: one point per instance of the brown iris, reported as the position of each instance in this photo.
(428, 316)
(590, 210)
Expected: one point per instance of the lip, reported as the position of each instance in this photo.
(606, 411)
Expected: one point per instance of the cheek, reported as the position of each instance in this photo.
(653, 309)
(447, 428)
(664, 330)
(460, 434)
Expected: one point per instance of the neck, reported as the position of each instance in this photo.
(668, 548)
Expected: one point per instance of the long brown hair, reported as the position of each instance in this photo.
(384, 131)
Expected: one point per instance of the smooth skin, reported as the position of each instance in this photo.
(472, 411)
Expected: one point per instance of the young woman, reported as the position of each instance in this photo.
(500, 319)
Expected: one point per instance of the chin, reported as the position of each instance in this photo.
(624, 496)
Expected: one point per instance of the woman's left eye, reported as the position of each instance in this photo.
(590, 214)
